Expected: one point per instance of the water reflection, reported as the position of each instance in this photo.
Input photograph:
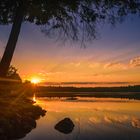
(93, 119)
(136, 122)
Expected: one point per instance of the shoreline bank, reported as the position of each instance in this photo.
(18, 117)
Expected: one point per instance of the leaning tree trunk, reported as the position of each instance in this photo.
(10, 47)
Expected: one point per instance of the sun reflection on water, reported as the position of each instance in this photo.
(34, 98)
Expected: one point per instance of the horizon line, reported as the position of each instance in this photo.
(89, 82)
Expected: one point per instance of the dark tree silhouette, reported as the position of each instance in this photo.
(75, 19)
(12, 74)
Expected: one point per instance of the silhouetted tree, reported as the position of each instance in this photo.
(12, 74)
(75, 19)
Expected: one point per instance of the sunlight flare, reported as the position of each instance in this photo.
(35, 80)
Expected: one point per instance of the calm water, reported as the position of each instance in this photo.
(94, 119)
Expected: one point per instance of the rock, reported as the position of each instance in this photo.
(65, 126)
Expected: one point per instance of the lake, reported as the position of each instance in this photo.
(93, 119)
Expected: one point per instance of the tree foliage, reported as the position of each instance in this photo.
(75, 19)
(12, 73)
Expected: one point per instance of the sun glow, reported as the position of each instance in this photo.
(35, 80)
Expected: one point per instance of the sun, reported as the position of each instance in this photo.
(35, 80)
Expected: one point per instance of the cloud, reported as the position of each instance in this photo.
(95, 65)
(115, 65)
(75, 64)
(101, 74)
(135, 62)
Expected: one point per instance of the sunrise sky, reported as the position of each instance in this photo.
(113, 57)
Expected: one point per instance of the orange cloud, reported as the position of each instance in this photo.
(115, 65)
(135, 62)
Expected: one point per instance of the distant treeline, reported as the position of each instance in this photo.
(131, 92)
(135, 88)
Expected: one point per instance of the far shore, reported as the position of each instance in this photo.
(131, 92)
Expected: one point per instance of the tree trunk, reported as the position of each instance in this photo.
(10, 47)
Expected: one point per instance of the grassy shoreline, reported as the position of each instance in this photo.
(17, 117)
